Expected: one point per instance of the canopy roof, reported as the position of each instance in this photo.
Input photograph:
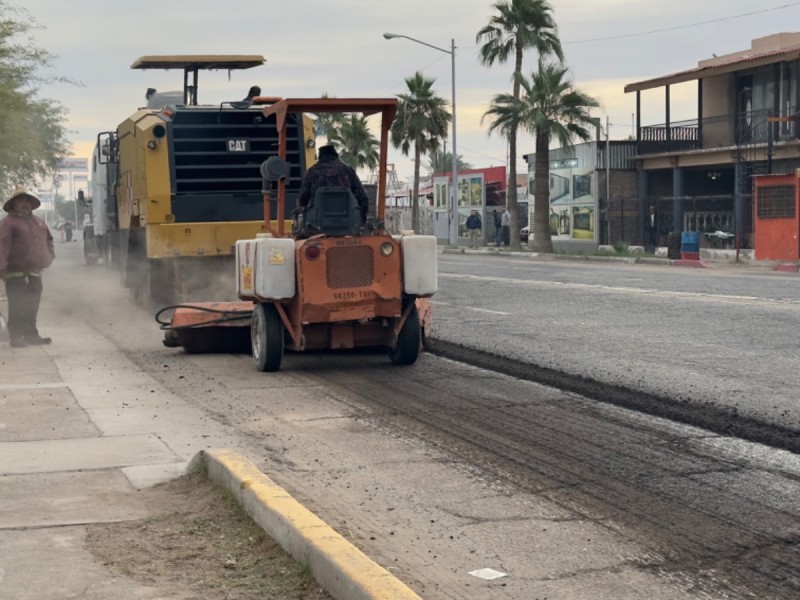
(720, 66)
(199, 61)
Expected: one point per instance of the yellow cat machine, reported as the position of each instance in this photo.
(333, 281)
(188, 184)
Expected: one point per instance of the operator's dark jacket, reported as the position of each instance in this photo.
(330, 170)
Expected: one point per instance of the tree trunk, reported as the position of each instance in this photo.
(542, 242)
(415, 198)
(511, 191)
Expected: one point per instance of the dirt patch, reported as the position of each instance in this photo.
(199, 543)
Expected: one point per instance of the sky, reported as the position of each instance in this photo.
(337, 47)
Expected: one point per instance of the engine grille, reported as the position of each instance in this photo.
(349, 266)
(210, 181)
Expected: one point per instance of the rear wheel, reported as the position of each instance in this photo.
(408, 340)
(266, 337)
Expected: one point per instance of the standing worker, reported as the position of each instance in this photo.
(474, 228)
(505, 222)
(26, 248)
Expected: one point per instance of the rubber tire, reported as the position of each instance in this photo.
(90, 256)
(266, 337)
(408, 340)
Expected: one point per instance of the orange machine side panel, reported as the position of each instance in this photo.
(349, 280)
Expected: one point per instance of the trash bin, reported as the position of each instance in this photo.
(690, 245)
(673, 245)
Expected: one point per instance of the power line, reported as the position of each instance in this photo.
(699, 23)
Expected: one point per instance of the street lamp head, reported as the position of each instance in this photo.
(389, 36)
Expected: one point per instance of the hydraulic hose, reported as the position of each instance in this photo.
(219, 316)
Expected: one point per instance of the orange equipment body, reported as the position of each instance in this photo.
(346, 291)
(330, 290)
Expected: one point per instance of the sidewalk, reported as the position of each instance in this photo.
(82, 428)
(708, 258)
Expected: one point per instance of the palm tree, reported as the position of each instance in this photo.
(327, 124)
(358, 146)
(421, 121)
(442, 162)
(519, 25)
(549, 108)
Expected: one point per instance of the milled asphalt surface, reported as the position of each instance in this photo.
(70, 457)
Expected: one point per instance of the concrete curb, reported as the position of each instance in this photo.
(689, 262)
(703, 262)
(787, 268)
(338, 566)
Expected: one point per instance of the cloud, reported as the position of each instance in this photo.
(316, 46)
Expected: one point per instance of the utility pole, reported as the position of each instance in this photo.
(608, 179)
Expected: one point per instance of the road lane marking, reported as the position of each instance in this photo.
(484, 310)
(622, 289)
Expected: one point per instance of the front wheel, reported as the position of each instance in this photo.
(90, 257)
(408, 340)
(266, 337)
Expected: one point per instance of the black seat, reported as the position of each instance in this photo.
(334, 211)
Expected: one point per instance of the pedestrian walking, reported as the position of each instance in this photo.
(505, 222)
(474, 225)
(26, 249)
(498, 228)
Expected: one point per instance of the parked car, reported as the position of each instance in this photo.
(523, 234)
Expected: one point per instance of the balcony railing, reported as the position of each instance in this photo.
(741, 129)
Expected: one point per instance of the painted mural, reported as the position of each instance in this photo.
(572, 202)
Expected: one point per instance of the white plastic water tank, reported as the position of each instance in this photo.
(420, 269)
(245, 268)
(265, 268)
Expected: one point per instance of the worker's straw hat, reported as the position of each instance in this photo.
(21, 193)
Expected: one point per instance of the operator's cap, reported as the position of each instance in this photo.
(328, 150)
(20, 193)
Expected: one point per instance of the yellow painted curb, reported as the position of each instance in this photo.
(338, 566)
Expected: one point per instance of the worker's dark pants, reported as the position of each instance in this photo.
(24, 295)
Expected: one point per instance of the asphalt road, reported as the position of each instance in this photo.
(718, 347)
(443, 468)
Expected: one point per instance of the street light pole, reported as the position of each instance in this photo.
(453, 215)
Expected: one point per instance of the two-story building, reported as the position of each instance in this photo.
(700, 173)
(732, 170)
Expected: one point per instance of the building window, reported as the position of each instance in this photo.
(776, 202)
(440, 195)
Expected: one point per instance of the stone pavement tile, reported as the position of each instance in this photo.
(78, 367)
(71, 498)
(144, 476)
(35, 413)
(126, 421)
(114, 394)
(71, 455)
(31, 560)
(29, 365)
